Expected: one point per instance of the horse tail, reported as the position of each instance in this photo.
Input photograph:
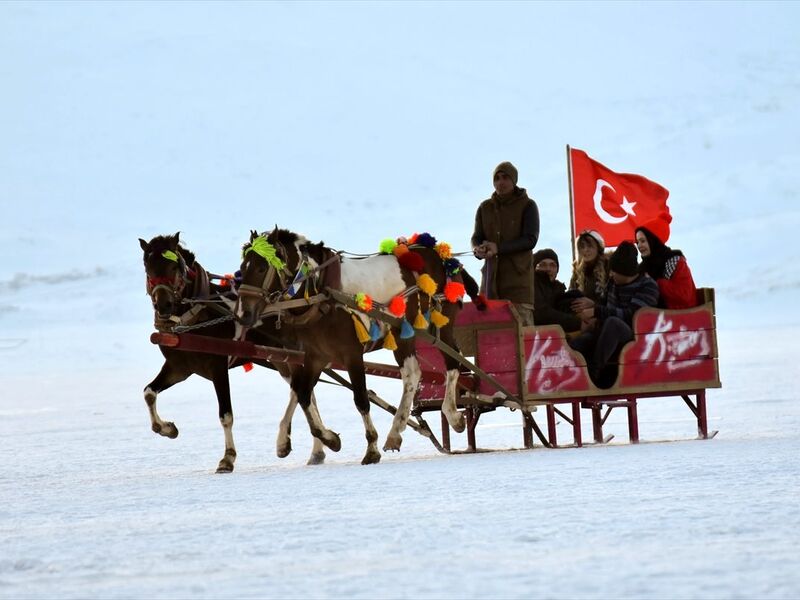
(473, 290)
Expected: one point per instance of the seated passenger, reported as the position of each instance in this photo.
(667, 266)
(550, 306)
(610, 323)
(590, 269)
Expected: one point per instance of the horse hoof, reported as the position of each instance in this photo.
(333, 441)
(166, 429)
(225, 466)
(317, 458)
(460, 424)
(285, 449)
(393, 443)
(372, 457)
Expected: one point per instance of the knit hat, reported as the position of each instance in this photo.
(544, 253)
(509, 169)
(623, 261)
(595, 235)
(659, 226)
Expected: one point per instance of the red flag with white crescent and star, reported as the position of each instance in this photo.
(614, 204)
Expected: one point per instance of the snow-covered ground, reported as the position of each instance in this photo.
(351, 123)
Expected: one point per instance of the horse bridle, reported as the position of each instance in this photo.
(261, 292)
(275, 301)
(174, 286)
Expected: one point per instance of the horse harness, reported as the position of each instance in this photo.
(281, 301)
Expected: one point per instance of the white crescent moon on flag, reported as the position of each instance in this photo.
(601, 212)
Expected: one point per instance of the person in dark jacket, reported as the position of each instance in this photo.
(628, 291)
(667, 266)
(506, 231)
(550, 305)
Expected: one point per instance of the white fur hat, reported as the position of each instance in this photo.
(595, 235)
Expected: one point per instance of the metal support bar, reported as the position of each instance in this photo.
(633, 421)
(551, 424)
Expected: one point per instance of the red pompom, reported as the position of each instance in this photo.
(454, 291)
(412, 261)
(248, 366)
(398, 306)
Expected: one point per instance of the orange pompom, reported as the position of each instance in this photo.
(398, 306)
(399, 250)
(454, 291)
(364, 302)
(412, 238)
(444, 250)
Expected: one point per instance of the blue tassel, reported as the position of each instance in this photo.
(374, 331)
(406, 330)
(427, 314)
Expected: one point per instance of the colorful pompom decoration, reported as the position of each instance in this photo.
(444, 250)
(397, 306)
(412, 261)
(374, 331)
(389, 343)
(399, 250)
(387, 246)
(406, 330)
(412, 239)
(363, 301)
(425, 239)
(361, 331)
(248, 366)
(426, 283)
(454, 291)
(438, 319)
(420, 322)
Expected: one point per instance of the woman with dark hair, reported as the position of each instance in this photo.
(667, 266)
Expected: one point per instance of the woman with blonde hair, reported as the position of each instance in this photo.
(590, 269)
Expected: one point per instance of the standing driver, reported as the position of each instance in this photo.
(506, 231)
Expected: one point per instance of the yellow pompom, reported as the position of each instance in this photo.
(361, 331)
(438, 319)
(389, 342)
(420, 322)
(426, 284)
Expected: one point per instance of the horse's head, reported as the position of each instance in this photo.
(269, 264)
(166, 271)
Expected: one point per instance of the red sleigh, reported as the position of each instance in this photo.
(674, 354)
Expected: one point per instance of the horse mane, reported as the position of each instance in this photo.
(160, 243)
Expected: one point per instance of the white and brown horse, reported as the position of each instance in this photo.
(173, 278)
(284, 264)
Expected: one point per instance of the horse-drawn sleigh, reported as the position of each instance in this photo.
(306, 311)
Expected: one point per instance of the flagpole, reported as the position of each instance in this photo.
(571, 204)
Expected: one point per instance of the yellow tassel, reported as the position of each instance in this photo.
(388, 342)
(438, 319)
(361, 331)
(420, 322)
(426, 284)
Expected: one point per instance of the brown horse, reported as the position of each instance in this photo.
(174, 278)
(283, 263)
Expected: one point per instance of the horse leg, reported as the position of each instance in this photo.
(318, 448)
(302, 390)
(166, 378)
(411, 374)
(284, 442)
(358, 381)
(449, 406)
(222, 387)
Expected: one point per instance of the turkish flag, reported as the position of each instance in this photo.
(614, 204)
